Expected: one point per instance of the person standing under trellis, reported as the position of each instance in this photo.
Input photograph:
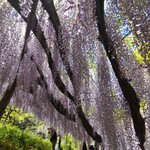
(84, 147)
(53, 136)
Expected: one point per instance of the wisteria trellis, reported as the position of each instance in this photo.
(74, 69)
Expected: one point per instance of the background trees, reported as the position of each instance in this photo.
(74, 64)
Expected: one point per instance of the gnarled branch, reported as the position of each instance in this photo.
(10, 90)
(56, 103)
(53, 17)
(127, 90)
(50, 8)
(36, 28)
(7, 96)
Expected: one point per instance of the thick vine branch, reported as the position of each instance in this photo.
(50, 8)
(87, 126)
(127, 90)
(7, 96)
(56, 103)
(35, 27)
(30, 22)
(37, 30)
(11, 88)
(53, 17)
